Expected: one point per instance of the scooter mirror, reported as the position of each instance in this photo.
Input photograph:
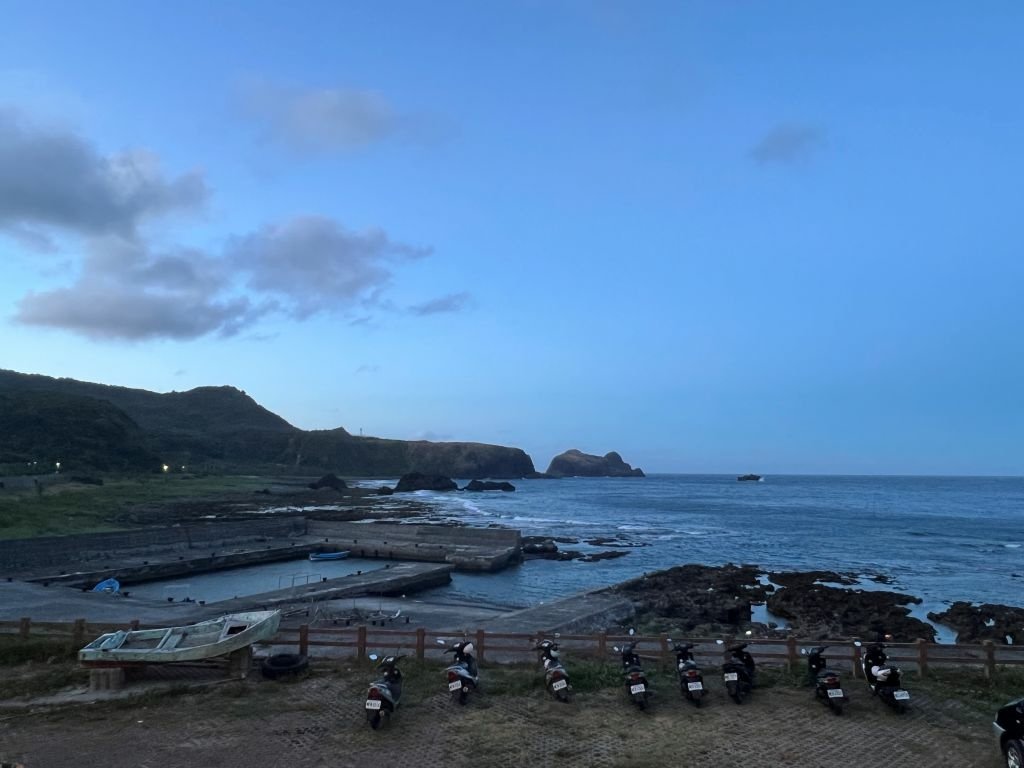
(719, 642)
(632, 631)
(749, 632)
(374, 657)
(858, 643)
(803, 651)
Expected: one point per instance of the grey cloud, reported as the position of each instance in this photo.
(320, 119)
(453, 302)
(312, 264)
(49, 177)
(125, 292)
(787, 144)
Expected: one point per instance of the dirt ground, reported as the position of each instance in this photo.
(319, 721)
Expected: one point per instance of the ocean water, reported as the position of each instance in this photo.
(939, 538)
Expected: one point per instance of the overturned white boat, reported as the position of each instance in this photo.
(194, 642)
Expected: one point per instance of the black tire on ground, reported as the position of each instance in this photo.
(463, 695)
(1014, 754)
(281, 665)
(374, 719)
(697, 700)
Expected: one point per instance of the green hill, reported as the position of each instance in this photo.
(218, 429)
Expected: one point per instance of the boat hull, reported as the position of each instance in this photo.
(195, 642)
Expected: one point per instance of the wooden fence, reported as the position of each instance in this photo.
(419, 642)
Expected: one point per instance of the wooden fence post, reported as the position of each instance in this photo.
(922, 657)
(791, 654)
(602, 645)
(304, 640)
(78, 633)
(664, 650)
(361, 641)
(990, 659)
(134, 625)
(25, 627)
(421, 643)
(480, 645)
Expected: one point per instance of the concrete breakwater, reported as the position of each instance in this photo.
(168, 552)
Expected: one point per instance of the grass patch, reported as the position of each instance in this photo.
(15, 650)
(970, 686)
(31, 680)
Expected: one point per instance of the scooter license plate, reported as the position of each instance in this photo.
(454, 686)
(731, 677)
(372, 704)
(901, 695)
(559, 685)
(835, 693)
(695, 686)
(638, 688)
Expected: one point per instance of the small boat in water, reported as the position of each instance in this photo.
(328, 555)
(193, 642)
(108, 585)
(749, 478)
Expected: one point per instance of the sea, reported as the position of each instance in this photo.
(939, 538)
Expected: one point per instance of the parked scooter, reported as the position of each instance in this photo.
(636, 680)
(825, 681)
(739, 671)
(385, 693)
(463, 676)
(556, 677)
(691, 681)
(883, 678)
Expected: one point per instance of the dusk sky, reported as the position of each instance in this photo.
(715, 237)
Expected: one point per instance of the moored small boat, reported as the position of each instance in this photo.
(193, 642)
(749, 478)
(108, 585)
(328, 555)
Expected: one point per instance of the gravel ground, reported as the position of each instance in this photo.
(319, 721)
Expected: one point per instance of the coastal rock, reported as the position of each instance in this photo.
(977, 623)
(818, 611)
(329, 481)
(696, 598)
(606, 555)
(807, 578)
(488, 485)
(574, 463)
(417, 481)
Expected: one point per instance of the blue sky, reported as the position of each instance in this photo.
(720, 236)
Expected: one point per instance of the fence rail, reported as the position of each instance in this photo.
(509, 646)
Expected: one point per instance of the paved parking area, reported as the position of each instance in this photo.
(319, 721)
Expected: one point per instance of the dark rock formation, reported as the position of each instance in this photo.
(487, 485)
(816, 611)
(575, 463)
(329, 481)
(807, 578)
(697, 598)
(385, 491)
(977, 623)
(417, 481)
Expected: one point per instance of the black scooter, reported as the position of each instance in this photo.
(385, 693)
(883, 678)
(827, 686)
(1009, 729)
(739, 671)
(462, 674)
(556, 677)
(633, 671)
(691, 681)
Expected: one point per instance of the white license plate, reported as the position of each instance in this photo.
(638, 688)
(731, 677)
(372, 704)
(559, 685)
(901, 695)
(455, 686)
(695, 686)
(835, 693)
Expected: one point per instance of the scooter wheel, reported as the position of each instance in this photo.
(374, 719)
(837, 709)
(463, 695)
(697, 700)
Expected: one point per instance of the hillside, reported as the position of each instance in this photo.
(220, 429)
